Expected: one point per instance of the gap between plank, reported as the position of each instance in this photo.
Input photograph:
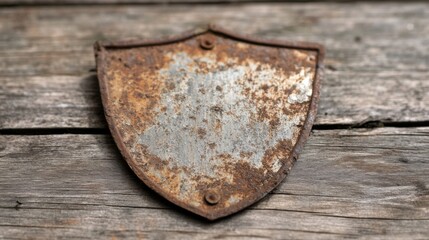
(91, 131)
(371, 124)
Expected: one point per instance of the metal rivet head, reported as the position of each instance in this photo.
(207, 43)
(212, 198)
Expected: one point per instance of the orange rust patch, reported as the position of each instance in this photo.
(140, 88)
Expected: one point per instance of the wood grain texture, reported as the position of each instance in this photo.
(346, 184)
(358, 183)
(376, 65)
(100, 2)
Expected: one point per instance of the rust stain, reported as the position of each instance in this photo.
(211, 120)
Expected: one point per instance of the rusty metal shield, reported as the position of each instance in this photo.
(210, 120)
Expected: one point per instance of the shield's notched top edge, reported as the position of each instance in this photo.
(100, 47)
(215, 29)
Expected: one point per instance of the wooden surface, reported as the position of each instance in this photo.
(348, 183)
(376, 64)
(149, 2)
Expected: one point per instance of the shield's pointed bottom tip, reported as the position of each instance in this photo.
(212, 217)
(219, 214)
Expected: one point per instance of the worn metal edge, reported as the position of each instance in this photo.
(215, 29)
(100, 52)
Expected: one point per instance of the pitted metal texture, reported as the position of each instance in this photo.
(210, 121)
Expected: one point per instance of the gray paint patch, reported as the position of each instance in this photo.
(207, 115)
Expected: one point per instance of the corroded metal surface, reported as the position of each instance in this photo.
(210, 120)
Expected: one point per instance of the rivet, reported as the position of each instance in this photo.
(212, 198)
(207, 43)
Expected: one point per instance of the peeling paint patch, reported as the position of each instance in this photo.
(304, 88)
(276, 165)
(202, 106)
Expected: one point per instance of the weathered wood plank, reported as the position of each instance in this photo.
(50, 102)
(347, 183)
(377, 55)
(93, 2)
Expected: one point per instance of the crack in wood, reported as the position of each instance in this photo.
(89, 131)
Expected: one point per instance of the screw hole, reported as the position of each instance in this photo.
(207, 43)
(212, 198)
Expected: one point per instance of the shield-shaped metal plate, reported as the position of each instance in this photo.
(210, 120)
